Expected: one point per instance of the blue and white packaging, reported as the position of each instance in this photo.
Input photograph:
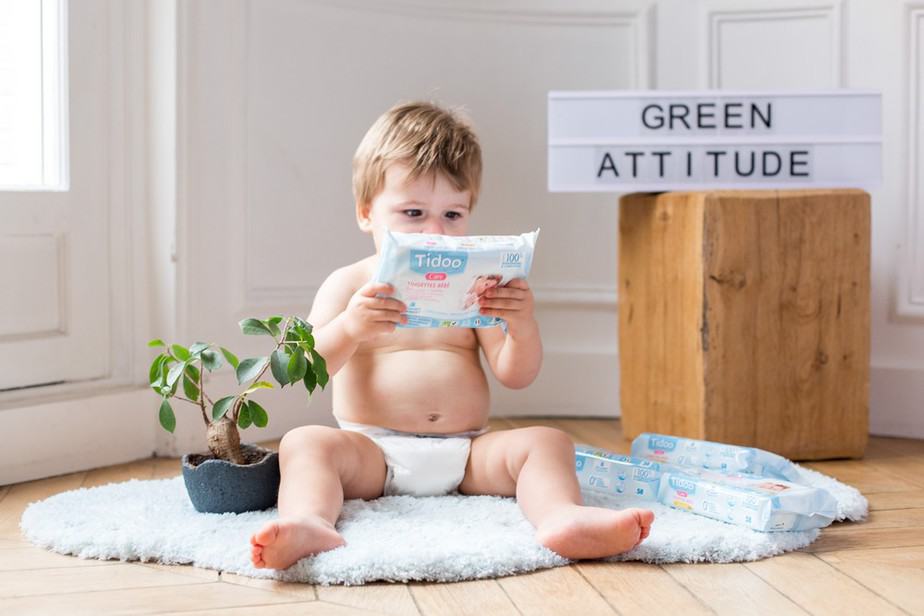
(688, 452)
(761, 503)
(441, 277)
(603, 471)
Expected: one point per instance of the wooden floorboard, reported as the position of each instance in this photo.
(874, 567)
(732, 589)
(475, 598)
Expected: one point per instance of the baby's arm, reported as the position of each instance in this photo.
(515, 358)
(344, 317)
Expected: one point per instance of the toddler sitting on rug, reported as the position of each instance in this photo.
(412, 404)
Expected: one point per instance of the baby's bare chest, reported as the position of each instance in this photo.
(443, 338)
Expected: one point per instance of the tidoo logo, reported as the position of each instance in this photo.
(661, 442)
(683, 484)
(426, 261)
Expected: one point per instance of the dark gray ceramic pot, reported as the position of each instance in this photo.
(218, 486)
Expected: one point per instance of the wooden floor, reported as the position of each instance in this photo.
(874, 568)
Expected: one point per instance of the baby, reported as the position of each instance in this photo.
(418, 170)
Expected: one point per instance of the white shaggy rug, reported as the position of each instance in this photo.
(395, 538)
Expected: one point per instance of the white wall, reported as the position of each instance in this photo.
(272, 98)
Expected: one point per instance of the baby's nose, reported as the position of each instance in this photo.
(433, 227)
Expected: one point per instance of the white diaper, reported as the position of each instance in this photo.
(419, 464)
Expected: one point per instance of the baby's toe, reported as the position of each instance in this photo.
(645, 517)
(256, 557)
(266, 535)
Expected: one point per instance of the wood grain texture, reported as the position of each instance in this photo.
(744, 318)
(660, 314)
(871, 567)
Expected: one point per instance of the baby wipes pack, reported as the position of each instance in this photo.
(610, 473)
(707, 479)
(760, 503)
(694, 453)
(441, 277)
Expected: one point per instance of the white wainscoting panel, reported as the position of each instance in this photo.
(750, 44)
(911, 267)
(34, 266)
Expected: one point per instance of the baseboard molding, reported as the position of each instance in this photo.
(578, 383)
(896, 402)
(66, 436)
(59, 437)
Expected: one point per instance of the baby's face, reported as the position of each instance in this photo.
(421, 205)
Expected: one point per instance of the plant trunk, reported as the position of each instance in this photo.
(225, 441)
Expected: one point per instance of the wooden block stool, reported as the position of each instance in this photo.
(744, 318)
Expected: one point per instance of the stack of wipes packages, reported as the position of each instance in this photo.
(739, 485)
(713, 456)
(441, 277)
(761, 503)
(604, 471)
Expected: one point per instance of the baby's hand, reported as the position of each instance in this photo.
(512, 302)
(367, 316)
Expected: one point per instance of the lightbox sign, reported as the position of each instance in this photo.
(656, 140)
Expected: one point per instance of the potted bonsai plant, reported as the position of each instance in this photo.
(232, 477)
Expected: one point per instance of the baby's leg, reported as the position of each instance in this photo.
(537, 466)
(319, 467)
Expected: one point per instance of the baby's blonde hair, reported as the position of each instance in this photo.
(426, 138)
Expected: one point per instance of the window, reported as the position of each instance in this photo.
(33, 95)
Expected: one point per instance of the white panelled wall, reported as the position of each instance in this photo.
(273, 97)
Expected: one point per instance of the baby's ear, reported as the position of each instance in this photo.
(362, 217)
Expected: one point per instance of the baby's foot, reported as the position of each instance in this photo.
(578, 532)
(282, 542)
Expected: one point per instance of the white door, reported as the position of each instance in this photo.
(54, 152)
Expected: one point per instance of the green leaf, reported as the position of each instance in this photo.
(243, 418)
(222, 406)
(193, 373)
(272, 327)
(307, 341)
(320, 368)
(258, 414)
(303, 324)
(250, 368)
(298, 365)
(154, 374)
(156, 343)
(162, 383)
(255, 327)
(279, 364)
(180, 352)
(276, 320)
(166, 416)
(310, 381)
(175, 371)
(198, 348)
(172, 391)
(231, 357)
(258, 385)
(190, 388)
(211, 360)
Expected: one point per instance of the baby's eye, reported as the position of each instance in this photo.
(453, 215)
(413, 213)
